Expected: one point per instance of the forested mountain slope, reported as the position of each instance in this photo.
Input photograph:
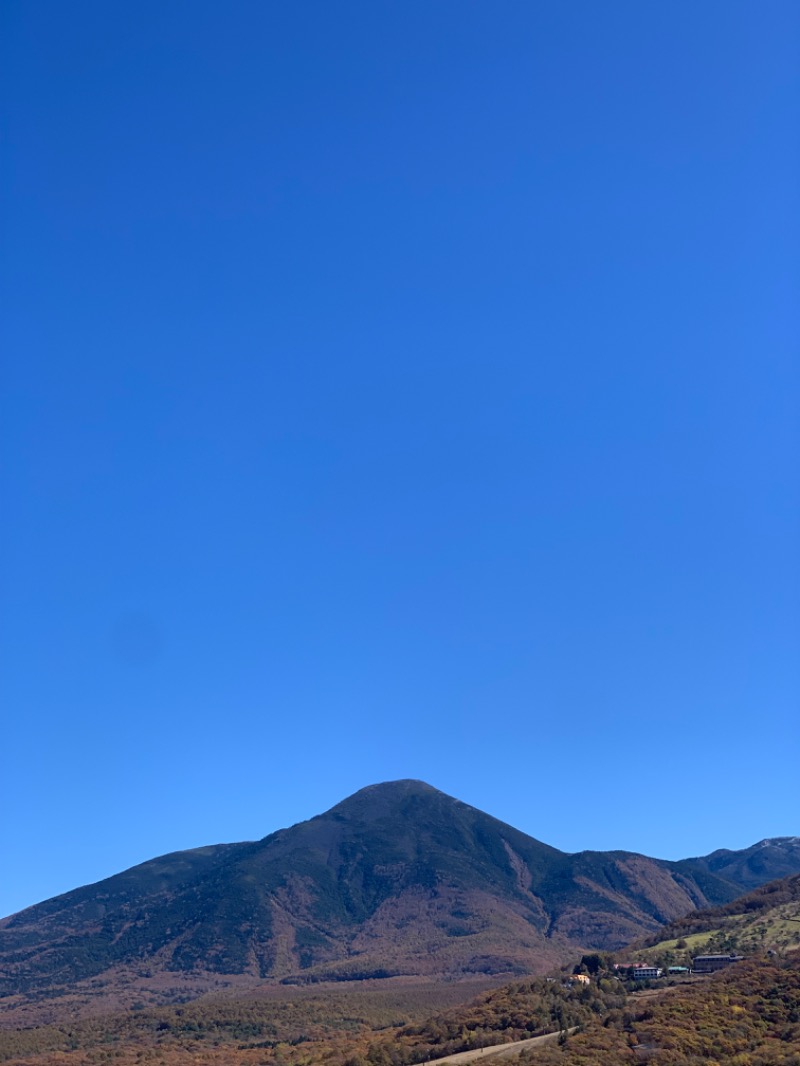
(398, 879)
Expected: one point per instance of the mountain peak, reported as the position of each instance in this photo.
(384, 797)
(403, 785)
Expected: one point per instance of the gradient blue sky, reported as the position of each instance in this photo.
(397, 390)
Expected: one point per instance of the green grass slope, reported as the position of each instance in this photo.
(764, 921)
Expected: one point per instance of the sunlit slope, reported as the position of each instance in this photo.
(766, 920)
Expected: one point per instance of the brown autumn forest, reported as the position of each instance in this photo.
(748, 1015)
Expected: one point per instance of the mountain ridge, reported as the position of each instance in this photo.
(396, 879)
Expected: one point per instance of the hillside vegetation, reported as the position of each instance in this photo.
(747, 1015)
(279, 1025)
(765, 921)
(337, 1027)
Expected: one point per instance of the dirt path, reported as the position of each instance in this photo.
(496, 1051)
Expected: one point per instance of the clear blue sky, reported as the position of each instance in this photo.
(397, 390)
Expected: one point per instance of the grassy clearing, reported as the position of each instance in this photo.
(692, 943)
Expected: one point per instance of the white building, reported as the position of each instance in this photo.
(646, 973)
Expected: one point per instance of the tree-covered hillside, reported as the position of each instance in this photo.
(748, 1015)
(397, 880)
(764, 921)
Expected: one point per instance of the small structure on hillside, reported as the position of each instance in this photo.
(710, 963)
(676, 971)
(579, 979)
(640, 972)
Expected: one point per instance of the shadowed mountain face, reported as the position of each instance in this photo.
(397, 879)
(766, 861)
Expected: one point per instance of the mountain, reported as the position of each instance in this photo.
(768, 860)
(751, 1010)
(398, 879)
